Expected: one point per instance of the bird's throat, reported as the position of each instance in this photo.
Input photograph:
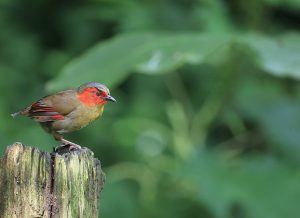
(90, 99)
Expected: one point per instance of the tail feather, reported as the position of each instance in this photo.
(21, 112)
(16, 114)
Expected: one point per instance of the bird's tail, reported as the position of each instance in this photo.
(16, 114)
(21, 112)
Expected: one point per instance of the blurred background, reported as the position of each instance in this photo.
(207, 122)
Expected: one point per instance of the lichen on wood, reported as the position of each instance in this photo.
(40, 184)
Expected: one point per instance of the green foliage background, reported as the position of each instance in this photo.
(207, 122)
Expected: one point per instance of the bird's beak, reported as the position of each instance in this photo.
(110, 98)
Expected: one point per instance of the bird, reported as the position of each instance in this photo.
(68, 110)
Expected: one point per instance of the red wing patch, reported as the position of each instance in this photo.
(41, 112)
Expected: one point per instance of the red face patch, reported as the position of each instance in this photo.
(92, 97)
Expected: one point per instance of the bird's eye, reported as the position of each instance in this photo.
(98, 93)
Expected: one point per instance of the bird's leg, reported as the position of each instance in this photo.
(65, 142)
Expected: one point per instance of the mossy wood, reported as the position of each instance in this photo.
(40, 184)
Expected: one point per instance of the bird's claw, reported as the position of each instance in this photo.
(66, 147)
(72, 145)
(73, 148)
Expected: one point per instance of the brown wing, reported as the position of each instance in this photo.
(53, 107)
(63, 102)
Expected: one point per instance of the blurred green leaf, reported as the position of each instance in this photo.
(279, 56)
(257, 187)
(294, 4)
(154, 53)
(128, 130)
(275, 111)
(121, 196)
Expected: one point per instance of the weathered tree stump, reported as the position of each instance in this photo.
(39, 184)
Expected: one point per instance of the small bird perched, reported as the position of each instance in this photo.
(69, 110)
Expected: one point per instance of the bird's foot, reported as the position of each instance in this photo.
(67, 145)
(71, 144)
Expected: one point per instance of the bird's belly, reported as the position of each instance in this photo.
(77, 119)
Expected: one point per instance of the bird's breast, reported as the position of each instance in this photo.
(79, 118)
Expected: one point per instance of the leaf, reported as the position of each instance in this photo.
(279, 56)
(110, 62)
(154, 53)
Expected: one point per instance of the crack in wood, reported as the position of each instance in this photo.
(52, 199)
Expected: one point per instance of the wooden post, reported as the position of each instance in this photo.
(39, 184)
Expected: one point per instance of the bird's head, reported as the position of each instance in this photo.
(93, 94)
